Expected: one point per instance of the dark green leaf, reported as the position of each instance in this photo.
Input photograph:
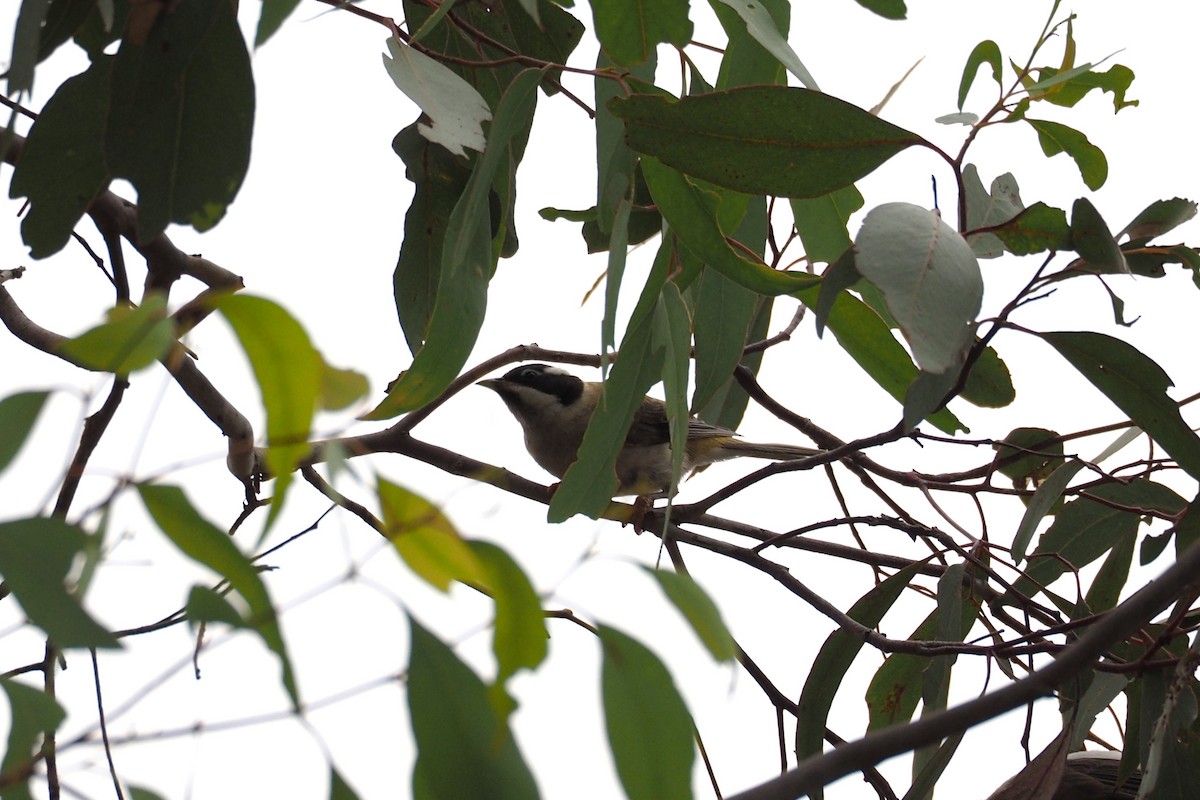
(649, 728)
(62, 167)
(26, 39)
(138, 793)
(762, 140)
(888, 9)
(182, 115)
(205, 544)
(205, 605)
(274, 12)
(35, 557)
(762, 24)
(18, 413)
(699, 610)
(821, 223)
(615, 162)
(834, 660)
(1161, 216)
(339, 789)
(1057, 138)
(1115, 81)
(989, 383)
(690, 213)
(1035, 230)
(468, 262)
(1091, 238)
(464, 751)
(746, 62)
(986, 52)
(671, 332)
(551, 34)
(63, 19)
(1044, 502)
(628, 30)
(1086, 529)
(1105, 591)
(1029, 455)
(722, 316)
(520, 638)
(1136, 385)
(32, 713)
(618, 250)
(133, 338)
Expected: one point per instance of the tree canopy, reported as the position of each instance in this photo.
(1004, 488)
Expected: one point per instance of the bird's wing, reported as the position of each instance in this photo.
(650, 426)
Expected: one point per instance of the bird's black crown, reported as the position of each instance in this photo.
(549, 380)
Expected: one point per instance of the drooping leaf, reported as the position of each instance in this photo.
(18, 413)
(1092, 239)
(821, 223)
(274, 12)
(834, 659)
(649, 728)
(693, 219)
(35, 557)
(629, 30)
(520, 638)
(133, 338)
(700, 612)
(615, 162)
(205, 605)
(986, 52)
(464, 750)
(1029, 455)
(32, 714)
(1082, 80)
(762, 140)
(288, 370)
(762, 27)
(1057, 138)
(746, 62)
(989, 383)
(182, 115)
(671, 332)
(204, 543)
(456, 111)
(426, 539)
(468, 262)
(989, 208)
(888, 9)
(62, 166)
(339, 788)
(1136, 385)
(1161, 216)
(929, 277)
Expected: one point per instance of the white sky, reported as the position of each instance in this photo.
(317, 226)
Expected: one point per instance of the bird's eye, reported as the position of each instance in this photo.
(529, 372)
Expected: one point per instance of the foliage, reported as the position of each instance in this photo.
(745, 188)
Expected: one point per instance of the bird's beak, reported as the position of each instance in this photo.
(492, 383)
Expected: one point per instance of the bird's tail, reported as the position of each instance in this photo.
(770, 452)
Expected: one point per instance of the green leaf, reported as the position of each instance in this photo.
(1034, 455)
(133, 338)
(467, 265)
(138, 793)
(18, 413)
(618, 250)
(426, 539)
(671, 332)
(288, 370)
(989, 383)
(1091, 238)
(690, 213)
(615, 162)
(986, 52)
(1057, 138)
(520, 638)
(454, 109)
(834, 660)
(1136, 385)
(339, 789)
(1035, 230)
(986, 209)
(340, 388)
(464, 751)
(1161, 216)
(274, 12)
(204, 543)
(762, 140)
(62, 167)
(1116, 81)
(888, 9)
(26, 39)
(649, 728)
(700, 612)
(821, 223)
(746, 62)
(182, 115)
(32, 714)
(867, 339)
(205, 605)
(929, 277)
(1086, 529)
(628, 30)
(761, 25)
(722, 316)
(35, 557)
(1105, 590)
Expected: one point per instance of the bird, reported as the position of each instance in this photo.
(555, 406)
(1086, 775)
